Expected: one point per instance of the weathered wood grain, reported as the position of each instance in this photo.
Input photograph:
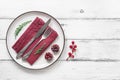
(62, 71)
(91, 29)
(80, 29)
(93, 24)
(4, 24)
(87, 50)
(62, 8)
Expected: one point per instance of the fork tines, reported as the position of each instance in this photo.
(47, 31)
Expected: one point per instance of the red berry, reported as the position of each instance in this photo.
(73, 50)
(55, 48)
(75, 46)
(71, 46)
(73, 42)
(70, 54)
(48, 56)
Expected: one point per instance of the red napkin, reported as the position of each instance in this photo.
(27, 36)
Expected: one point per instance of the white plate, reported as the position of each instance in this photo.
(41, 62)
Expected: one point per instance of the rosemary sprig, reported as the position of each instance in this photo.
(20, 27)
(40, 49)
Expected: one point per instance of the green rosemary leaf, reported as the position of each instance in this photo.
(20, 27)
(39, 50)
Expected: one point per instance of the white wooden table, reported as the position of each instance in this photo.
(93, 24)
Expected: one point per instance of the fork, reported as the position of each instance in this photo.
(44, 36)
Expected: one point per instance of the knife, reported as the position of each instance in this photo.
(39, 33)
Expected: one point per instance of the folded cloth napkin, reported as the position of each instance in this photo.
(27, 36)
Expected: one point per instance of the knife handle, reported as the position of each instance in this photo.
(23, 49)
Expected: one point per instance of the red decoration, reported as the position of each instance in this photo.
(48, 56)
(73, 47)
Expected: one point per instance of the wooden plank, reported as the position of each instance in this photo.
(80, 29)
(62, 8)
(62, 70)
(95, 50)
(4, 24)
(88, 50)
(91, 29)
(4, 53)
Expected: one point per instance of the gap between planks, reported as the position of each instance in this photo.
(80, 60)
(88, 39)
(84, 18)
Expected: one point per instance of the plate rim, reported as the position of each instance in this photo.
(42, 13)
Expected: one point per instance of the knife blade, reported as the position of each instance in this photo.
(39, 33)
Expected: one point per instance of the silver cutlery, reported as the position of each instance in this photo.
(39, 33)
(44, 36)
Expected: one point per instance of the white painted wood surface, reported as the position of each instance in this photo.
(96, 31)
(64, 71)
(80, 29)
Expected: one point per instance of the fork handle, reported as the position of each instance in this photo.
(29, 52)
